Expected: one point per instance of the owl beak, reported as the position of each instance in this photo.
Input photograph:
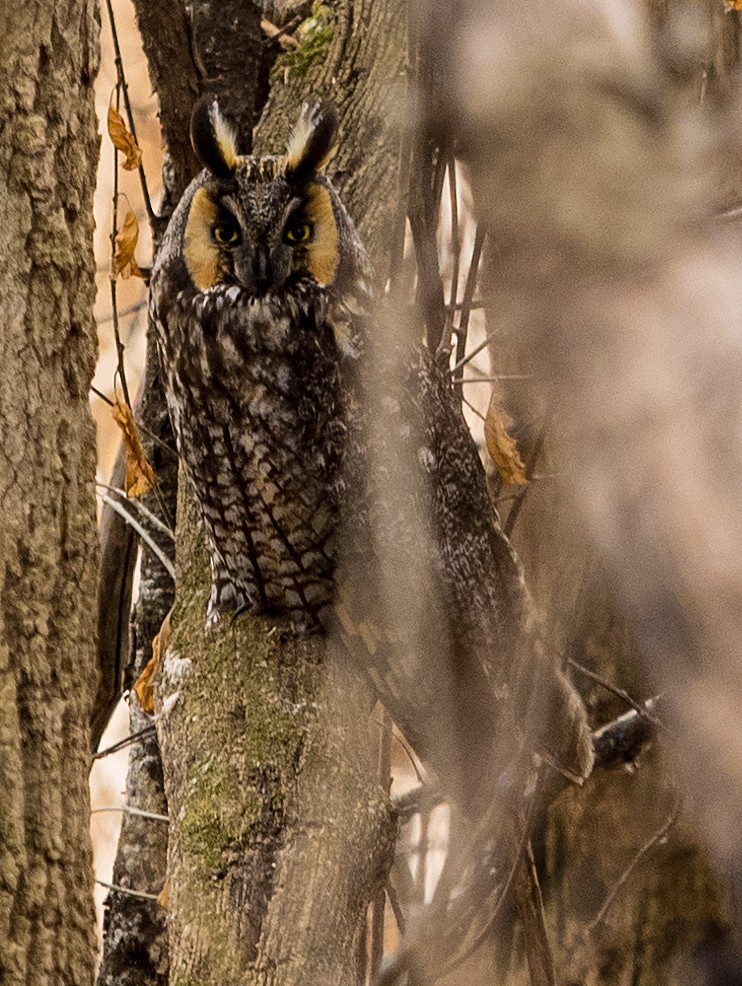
(254, 270)
(262, 268)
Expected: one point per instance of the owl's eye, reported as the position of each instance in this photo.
(226, 235)
(301, 233)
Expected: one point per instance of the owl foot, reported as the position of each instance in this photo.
(225, 598)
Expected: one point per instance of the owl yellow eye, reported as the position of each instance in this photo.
(301, 233)
(226, 235)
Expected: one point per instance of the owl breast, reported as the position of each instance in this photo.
(254, 394)
(256, 292)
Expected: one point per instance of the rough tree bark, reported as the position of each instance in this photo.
(268, 747)
(48, 542)
(270, 766)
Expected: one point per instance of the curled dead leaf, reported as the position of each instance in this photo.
(124, 265)
(144, 687)
(503, 449)
(163, 898)
(123, 140)
(140, 476)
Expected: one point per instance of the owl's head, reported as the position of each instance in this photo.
(260, 223)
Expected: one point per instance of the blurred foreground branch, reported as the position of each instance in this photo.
(625, 294)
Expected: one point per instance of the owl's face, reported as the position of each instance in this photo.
(260, 223)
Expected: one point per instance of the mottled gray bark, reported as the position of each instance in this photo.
(280, 834)
(293, 796)
(48, 542)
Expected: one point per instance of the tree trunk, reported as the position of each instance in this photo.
(280, 834)
(48, 541)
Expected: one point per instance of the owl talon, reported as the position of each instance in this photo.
(225, 597)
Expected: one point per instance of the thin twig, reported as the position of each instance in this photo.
(127, 810)
(125, 890)
(396, 908)
(486, 932)
(138, 505)
(455, 247)
(615, 690)
(655, 840)
(127, 741)
(122, 86)
(131, 310)
(734, 213)
(475, 352)
(407, 749)
(475, 305)
(416, 800)
(151, 435)
(114, 232)
(378, 905)
(471, 282)
(621, 740)
(439, 907)
(494, 379)
(473, 409)
(141, 531)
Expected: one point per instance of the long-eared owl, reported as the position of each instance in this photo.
(261, 300)
(254, 293)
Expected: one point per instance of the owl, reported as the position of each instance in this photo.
(260, 295)
(255, 293)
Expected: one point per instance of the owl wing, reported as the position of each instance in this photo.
(431, 599)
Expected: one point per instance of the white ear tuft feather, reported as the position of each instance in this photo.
(312, 145)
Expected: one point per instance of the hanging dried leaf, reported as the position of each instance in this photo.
(124, 265)
(503, 449)
(163, 898)
(123, 140)
(140, 476)
(144, 687)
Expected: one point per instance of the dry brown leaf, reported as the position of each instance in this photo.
(124, 264)
(733, 4)
(163, 898)
(503, 449)
(144, 687)
(123, 140)
(140, 476)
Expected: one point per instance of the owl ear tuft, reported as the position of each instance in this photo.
(312, 144)
(213, 138)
